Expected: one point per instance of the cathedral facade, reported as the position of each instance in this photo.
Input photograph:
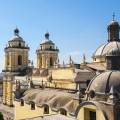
(62, 91)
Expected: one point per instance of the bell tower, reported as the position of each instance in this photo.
(16, 54)
(47, 54)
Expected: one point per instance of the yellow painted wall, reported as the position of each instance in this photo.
(63, 73)
(43, 59)
(100, 61)
(23, 112)
(7, 90)
(83, 113)
(67, 84)
(11, 57)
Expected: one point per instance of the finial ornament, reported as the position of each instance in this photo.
(16, 31)
(84, 58)
(113, 16)
(63, 63)
(47, 35)
(58, 60)
(70, 59)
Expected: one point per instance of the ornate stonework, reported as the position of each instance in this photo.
(47, 54)
(16, 54)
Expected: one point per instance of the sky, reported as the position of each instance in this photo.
(77, 27)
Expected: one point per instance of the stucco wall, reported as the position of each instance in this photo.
(83, 113)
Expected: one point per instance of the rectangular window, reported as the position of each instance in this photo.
(46, 109)
(32, 106)
(22, 102)
(92, 115)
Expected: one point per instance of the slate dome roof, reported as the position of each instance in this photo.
(103, 82)
(16, 38)
(55, 99)
(104, 49)
(113, 52)
(113, 22)
(47, 40)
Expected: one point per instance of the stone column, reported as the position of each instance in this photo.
(8, 89)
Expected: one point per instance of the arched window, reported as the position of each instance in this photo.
(51, 61)
(19, 60)
(22, 102)
(19, 44)
(7, 59)
(63, 112)
(92, 115)
(89, 114)
(118, 112)
(41, 47)
(46, 109)
(87, 82)
(50, 47)
(32, 106)
(40, 61)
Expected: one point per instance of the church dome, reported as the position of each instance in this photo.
(107, 48)
(16, 41)
(113, 52)
(47, 40)
(103, 82)
(113, 44)
(113, 22)
(16, 36)
(47, 44)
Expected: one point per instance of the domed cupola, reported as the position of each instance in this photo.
(46, 40)
(113, 44)
(100, 86)
(16, 41)
(113, 31)
(113, 52)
